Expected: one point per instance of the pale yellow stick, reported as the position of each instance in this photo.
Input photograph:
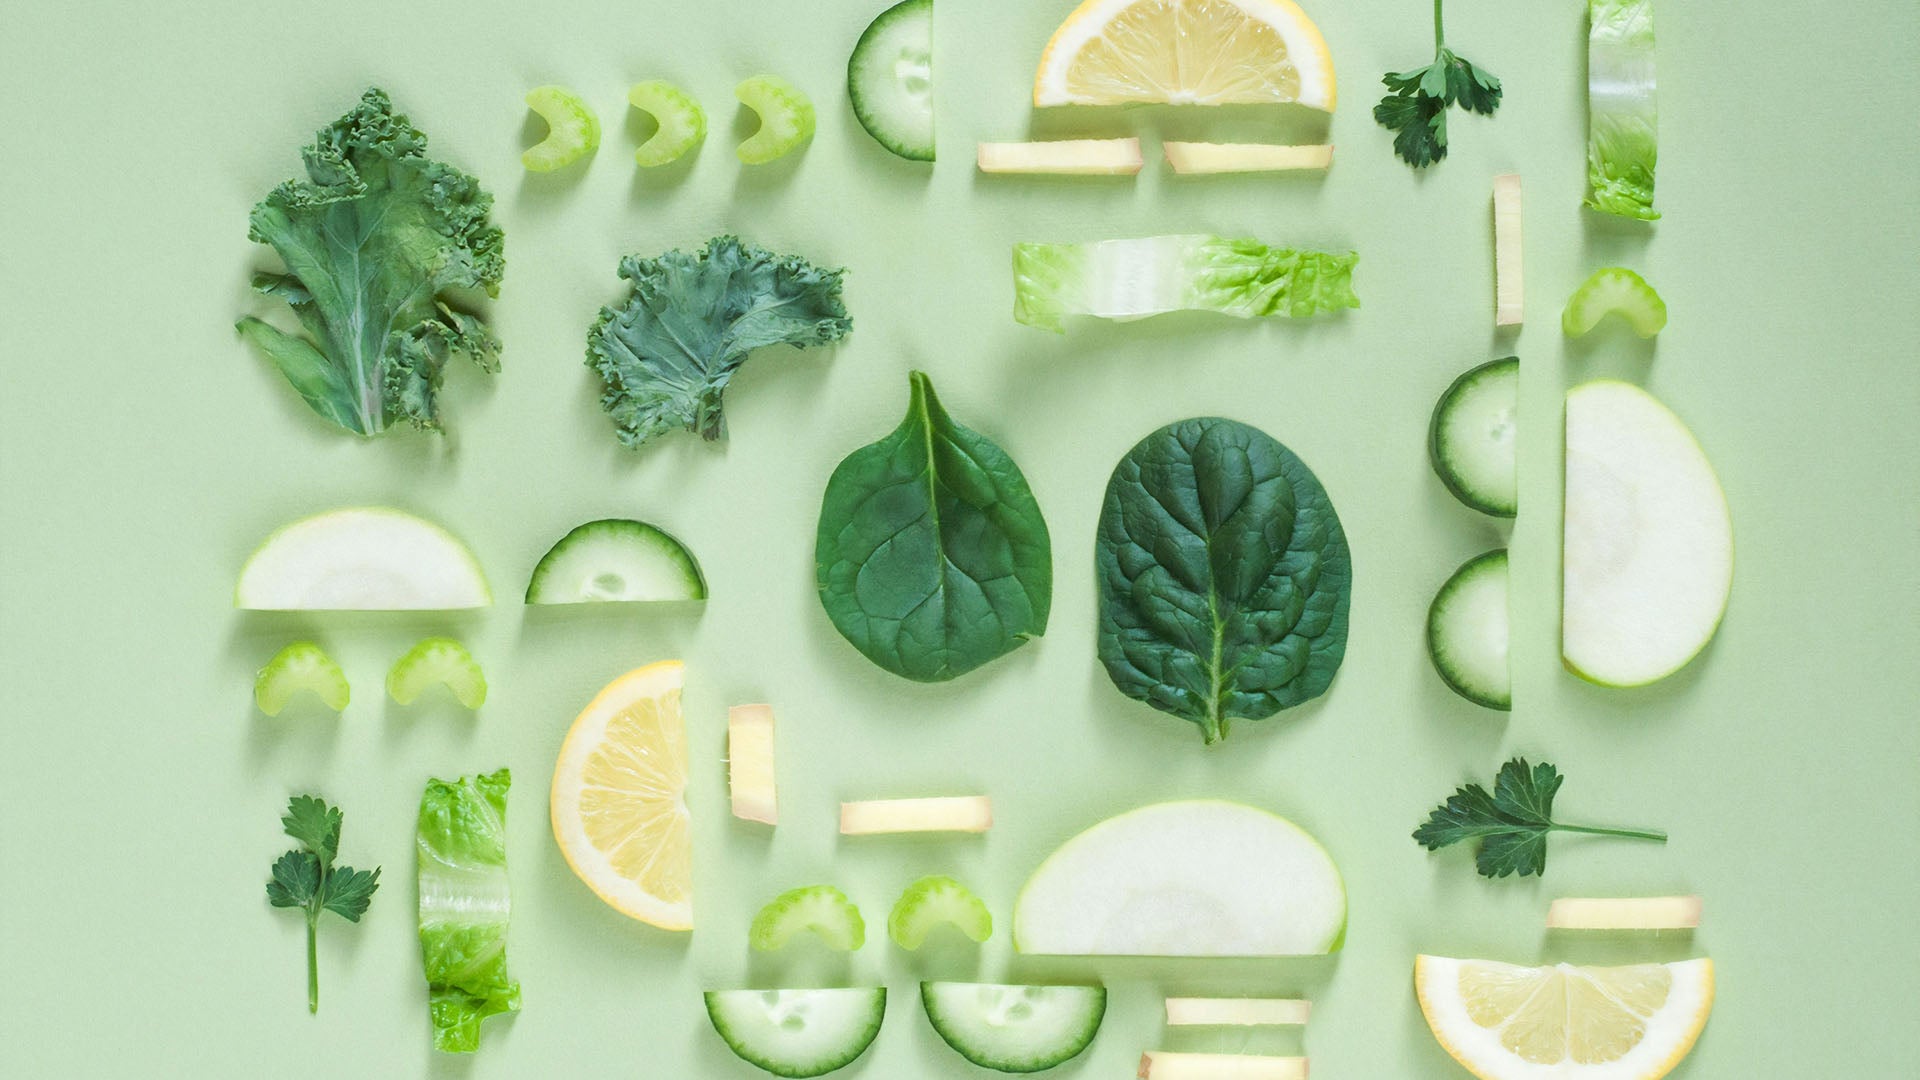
(963, 813)
(1064, 157)
(1508, 272)
(1201, 158)
(1625, 913)
(750, 775)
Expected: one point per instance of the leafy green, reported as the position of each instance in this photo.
(667, 354)
(306, 878)
(373, 240)
(1416, 106)
(1511, 825)
(1224, 576)
(464, 904)
(932, 555)
(1133, 279)
(1623, 144)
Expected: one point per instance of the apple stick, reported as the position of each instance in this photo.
(1509, 295)
(1064, 157)
(1625, 913)
(963, 813)
(750, 776)
(1237, 1012)
(1199, 158)
(1161, 1065)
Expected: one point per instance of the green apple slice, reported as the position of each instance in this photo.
(1201, 878)
(362, 559)
(1648, 549)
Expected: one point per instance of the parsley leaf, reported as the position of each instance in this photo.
(1512, 823)
(315, 824)
(1416, 106)
(306, 878)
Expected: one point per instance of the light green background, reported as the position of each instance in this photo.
(144, 451)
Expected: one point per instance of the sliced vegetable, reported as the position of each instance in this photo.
(667, 353)
(822, 909)
(750, 777)
(890, 79)
(1186, 52)
(616, 560)
(1623, 144)
(1134, 279)
(1614, 290)
(1509, 274)
(1201, 157)
(959, 813)
(1064, 157)
(363, 559)
(1625, 913)
(300, 666)
(1166, 1065)
(931, 555)
(306, 878)
(1015, 1029)
(1467, 632)
(682, 123)
(1509, 828)
(932, 901)
(1473, 437)
(798, 1033)
(786, 118)
(439, 660)
(573, 131)
(1237, 1012)
(464, 906)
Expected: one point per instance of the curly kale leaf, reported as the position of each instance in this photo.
(372, 240)
(667, 354)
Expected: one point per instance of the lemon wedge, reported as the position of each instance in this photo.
(1563, 1022)
(1186, 52)
(619, 798)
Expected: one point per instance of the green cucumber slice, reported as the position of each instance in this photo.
(798, 1033)
(786, 118)
(1015, 1029)
(890, 79)
(683, 124)
(1614, 289)
(300, 666)
(822, 909)
(932, 901)
(1472, 439)
(1467, 632)
(573, 131)
(437, 660)
(616, 560)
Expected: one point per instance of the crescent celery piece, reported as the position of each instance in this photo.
(931, 902)
(361, 559)
(890, 79)
(1625, 913)
(437, 660)
(616, 560)
(573, 131)
(1135, 279)
(375, 240)
(786, 118)
(1614, 290)
(1509, 279)
(1197, 158)
(300, 666)
(461, 846)
(306, 878)
(1165, 1065)
(750, 775)
(1015, 1029)
(1468, 628)
(1623, 145)
(798, 1033)
(961, 813)
(1237, 1012)
(822, 909)
(683, 124)
(1064, 157)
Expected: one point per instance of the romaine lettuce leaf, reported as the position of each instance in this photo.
(1133, 279)
(464, 904)
(1622, 108)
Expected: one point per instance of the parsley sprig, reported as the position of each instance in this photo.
(1417, 106)
(1512, 823)
(306, 878)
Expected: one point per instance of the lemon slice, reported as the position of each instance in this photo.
(619, 806)
(1563, 1022)
(1186, 52)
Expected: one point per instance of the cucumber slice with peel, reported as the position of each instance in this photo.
(363, 559)
(1473, 438)
(934, 900)
(616, 560)
(682, 123)
(1614, 289)
(890, 79)
(1015, 1029)
(786, 118)
(573, 131)
(822, 909)
(798, 1033)
(437, 660)
(1468, 629)
(300, 666)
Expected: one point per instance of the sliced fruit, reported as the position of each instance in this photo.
(1161, 1065)
(682, 123)
(1201, 878)
(1625, 913)
(573, 131)
(1237, 1012)
(363, 559)
(1064, 157)
(957, 813)
(1509, 277)
(1200, 157)
(619, 797)
(1473, 438)
(786, 118)
(1648, 550)
(1467, 631)
(932, 901)
(437, 660)
(1186, 52)
(1571, 1023)
(750, 778)
(300, 666)
(1614, 290)
(1015, 1029)
(823, 909)
(616, 560)
(890, 79)
(798, 1033)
